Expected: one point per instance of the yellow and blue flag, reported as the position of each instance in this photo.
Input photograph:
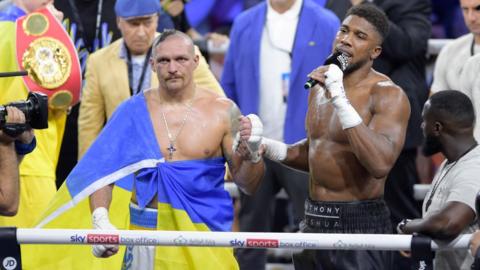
(191, 197)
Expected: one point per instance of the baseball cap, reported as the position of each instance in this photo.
(136, 8)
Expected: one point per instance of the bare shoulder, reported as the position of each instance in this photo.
(385, 90)
(215, 101)
(218, 104)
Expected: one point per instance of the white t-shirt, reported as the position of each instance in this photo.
(455, 182)
(470, 85)
(450, 64)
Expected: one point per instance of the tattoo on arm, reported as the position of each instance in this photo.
(234, 115)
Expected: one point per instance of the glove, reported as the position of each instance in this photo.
(347, 115)
(254, 138)
(101, 221)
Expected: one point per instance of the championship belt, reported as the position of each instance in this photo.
(46, 52)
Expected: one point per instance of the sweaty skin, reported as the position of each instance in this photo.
(352, 164)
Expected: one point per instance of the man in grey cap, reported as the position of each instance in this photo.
(121, 69)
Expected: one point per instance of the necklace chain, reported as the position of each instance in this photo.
(437, 184)
(172, 139)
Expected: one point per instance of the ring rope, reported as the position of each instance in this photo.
(230, 239)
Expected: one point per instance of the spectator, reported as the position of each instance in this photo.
(470, 83)
(273, 47)
(449, 206)
(450, 62)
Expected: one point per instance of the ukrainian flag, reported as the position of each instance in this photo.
(191, 197)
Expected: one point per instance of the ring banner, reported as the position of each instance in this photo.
(10, 256)
(46, 52)
(422, 253)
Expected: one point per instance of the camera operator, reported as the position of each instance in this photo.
(12, 150)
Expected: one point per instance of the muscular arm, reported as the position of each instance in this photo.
(446, 224)
(101, 198)
(246, 174)
(378, 145)
(297, 155)
(9, 186)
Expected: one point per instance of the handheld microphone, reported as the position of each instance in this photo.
(337, 58)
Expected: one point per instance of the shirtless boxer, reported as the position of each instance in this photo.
(196, 132)
(352, 142)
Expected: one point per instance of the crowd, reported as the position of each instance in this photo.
(178, 97)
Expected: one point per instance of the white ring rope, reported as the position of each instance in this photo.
(229, 239)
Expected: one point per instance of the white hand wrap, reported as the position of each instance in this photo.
(255, 139)
(275, 150)
(347, 115)
(101, 221)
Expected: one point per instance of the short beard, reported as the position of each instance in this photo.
(431, 145)
(354, 66)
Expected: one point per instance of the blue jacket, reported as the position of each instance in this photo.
(316, 31)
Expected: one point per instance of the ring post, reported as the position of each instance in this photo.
(422, 253)
(10, 256)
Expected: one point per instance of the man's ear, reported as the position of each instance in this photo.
(437, 127)
(152, 64)
(376, 52)
(196, 60)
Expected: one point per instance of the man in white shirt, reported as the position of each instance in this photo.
(450, 63)
(449, 206)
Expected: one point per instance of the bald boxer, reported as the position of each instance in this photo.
(356, 125)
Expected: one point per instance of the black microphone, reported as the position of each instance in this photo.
(337, 58)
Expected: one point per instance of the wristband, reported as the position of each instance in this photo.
(23, 149)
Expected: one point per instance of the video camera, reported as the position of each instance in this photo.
(35, 109)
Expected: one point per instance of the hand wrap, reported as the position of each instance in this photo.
(101, 221)
(347, 115)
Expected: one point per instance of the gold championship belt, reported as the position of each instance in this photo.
(46, 52)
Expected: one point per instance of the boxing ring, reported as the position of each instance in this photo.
(229, 239)
(421, 247)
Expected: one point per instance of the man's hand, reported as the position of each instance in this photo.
(249, 138)
(334, 81)
(474, 242)
(331, 77)
(16, 116)
(101, 221)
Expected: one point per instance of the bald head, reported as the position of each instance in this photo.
(452, 108)
(170, 34)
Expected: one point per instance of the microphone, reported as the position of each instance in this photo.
(337, 58)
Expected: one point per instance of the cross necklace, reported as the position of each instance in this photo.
(171, 147)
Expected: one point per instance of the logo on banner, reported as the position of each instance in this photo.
(9, 263)
(237, 243)
(102, 238)
(262, 243)
(180, 241)
(77, 238)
